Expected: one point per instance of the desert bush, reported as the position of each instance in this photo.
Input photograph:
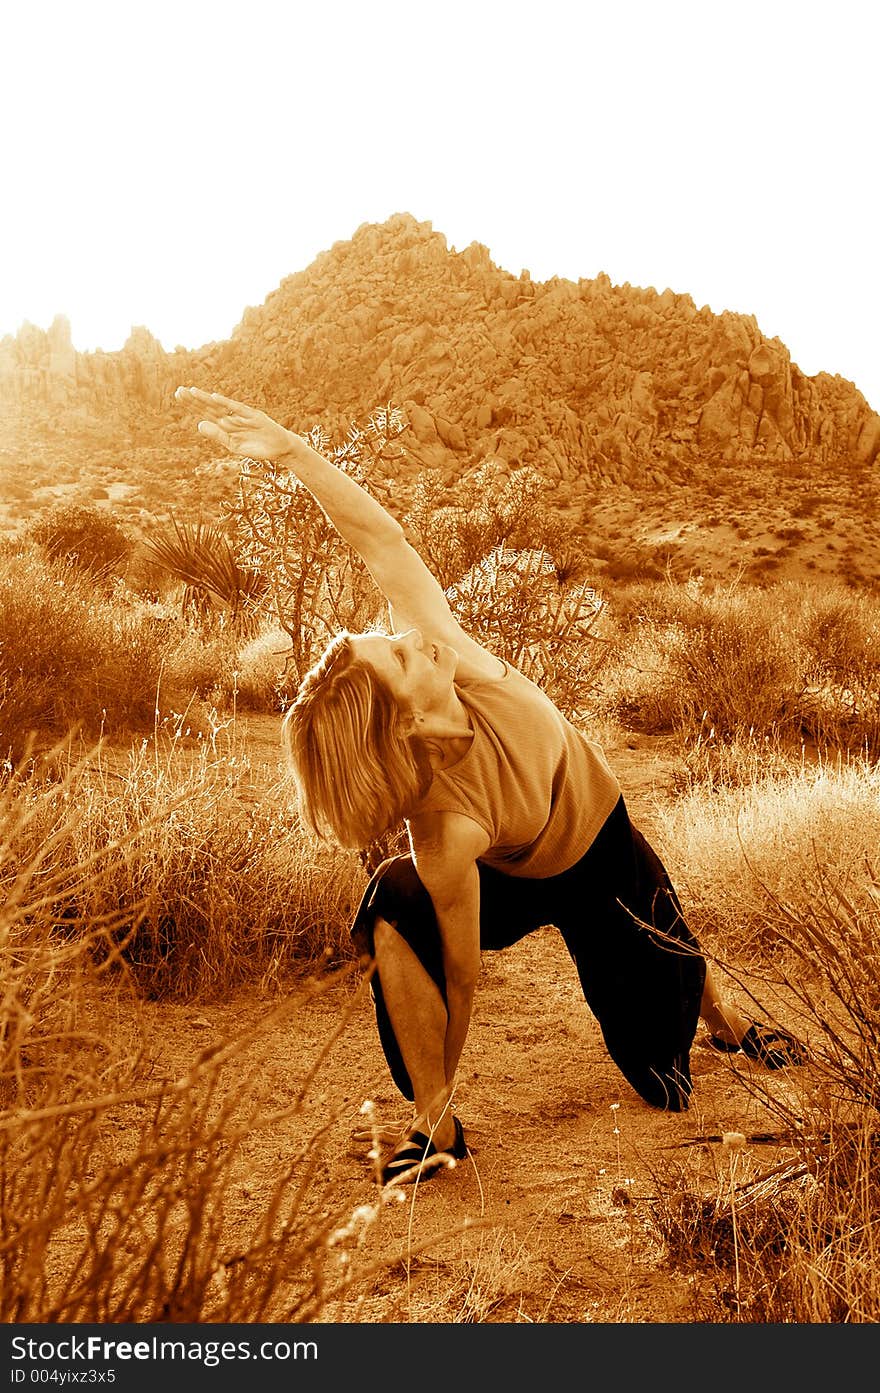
(840, 630)
(68, 658)
(736, 670)
(514, 602)
(806, 505)
(199, 671)
(146, 578)
(639, 561)
(264, 679)
(86, 536)
(490, 511)
(725, 661)
(76, 659)
(790, 661)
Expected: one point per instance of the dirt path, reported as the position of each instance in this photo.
(548, 1219)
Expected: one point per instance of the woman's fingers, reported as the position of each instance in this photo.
(192, 396)
(198, 405)
(214, 403)
(232, 405)
(213, 431)
(241, 429)
(219, 419)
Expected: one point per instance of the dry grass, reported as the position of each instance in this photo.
(207, 877)
(740, 851)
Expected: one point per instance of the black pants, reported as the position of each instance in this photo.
(639, 965)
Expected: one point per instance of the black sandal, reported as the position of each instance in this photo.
(768, 1045)
(417, 1158)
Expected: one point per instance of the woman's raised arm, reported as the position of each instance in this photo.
(413, 594)
(245, 430)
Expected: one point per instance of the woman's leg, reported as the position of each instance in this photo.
(648, 986)
(397, 904)
(396, 926)
(417, 1015)
(639, 965)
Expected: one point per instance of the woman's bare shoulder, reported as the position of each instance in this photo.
(446, 836)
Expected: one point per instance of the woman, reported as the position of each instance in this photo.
(515, 820)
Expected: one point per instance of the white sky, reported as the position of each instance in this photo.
(168, 164)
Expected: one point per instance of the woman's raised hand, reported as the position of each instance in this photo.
(243, 430)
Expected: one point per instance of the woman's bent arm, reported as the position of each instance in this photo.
(445, 849)
(459, 922)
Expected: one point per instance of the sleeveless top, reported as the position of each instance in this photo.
(538, 788)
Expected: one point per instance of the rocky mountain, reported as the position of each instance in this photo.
(598, 386)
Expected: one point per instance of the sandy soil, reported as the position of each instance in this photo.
(549, 1218)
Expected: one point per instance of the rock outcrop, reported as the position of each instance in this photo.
(587, 381)
(40, 368)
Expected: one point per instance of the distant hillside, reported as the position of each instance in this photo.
(615, 393)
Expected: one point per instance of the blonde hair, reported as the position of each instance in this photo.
(357, 773)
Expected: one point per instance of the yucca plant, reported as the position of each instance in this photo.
(201, 557)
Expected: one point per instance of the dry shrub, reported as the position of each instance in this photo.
(792, 661)
(264, 682)
(514, 602)
(67, 656)
(201, 557)
(85, 536)
(75, 657)
(840, 633)
(721, 660)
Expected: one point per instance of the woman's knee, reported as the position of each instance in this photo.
(402, 912)
(385, 936)
(399, 893)
(395, 898)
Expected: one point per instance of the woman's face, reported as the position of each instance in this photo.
(418, 673)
